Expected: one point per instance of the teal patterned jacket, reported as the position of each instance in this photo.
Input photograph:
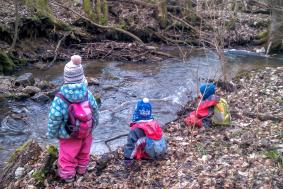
(58, 114)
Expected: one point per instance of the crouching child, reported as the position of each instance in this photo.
(211, 110)
(145, 139)
(72, 117)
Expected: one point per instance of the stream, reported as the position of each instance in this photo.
(168, 84)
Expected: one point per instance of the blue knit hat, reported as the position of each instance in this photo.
(142, 110)
(207, 90)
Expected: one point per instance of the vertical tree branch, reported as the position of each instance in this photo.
(16, 3)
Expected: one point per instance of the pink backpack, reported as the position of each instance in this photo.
(80, 123)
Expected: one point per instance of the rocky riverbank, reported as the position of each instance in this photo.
(247, 154)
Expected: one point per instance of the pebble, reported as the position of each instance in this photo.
(19, 172)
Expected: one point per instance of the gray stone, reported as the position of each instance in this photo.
(44, 85)
(52, 92)
(6, 82)
(40, 97)
(19, 96)
(25, 80)
(31, 90)
(92, 81)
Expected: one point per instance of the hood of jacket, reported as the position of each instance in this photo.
(151, 129)
(74, 92)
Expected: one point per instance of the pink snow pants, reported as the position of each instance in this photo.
(73, 156)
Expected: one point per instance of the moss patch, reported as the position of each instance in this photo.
(6, 63)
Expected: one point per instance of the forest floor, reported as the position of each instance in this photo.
(247, 154)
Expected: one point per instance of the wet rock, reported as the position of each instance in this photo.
(92, 81)
(6, 82)
(43, 85)
(19, 96)
(13, 125)
(52, 92)
(40, 97)
(31, 90)
(25, 80)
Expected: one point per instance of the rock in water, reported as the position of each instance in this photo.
(40, 97)
(25, 80)
(31, 90)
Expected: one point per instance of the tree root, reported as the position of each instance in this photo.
(101, 26)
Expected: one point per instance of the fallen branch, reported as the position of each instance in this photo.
(163, 54)
(264, 117)
(101, 26)
(136, 2)
(114, 138)
(57, 47)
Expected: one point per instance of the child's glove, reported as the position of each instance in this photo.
(128, 162)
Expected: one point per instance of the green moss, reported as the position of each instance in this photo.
(18, 150)
(40, 174)
(275, 156)
(7, 63)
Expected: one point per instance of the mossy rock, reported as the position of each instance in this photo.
(7, 65)
(26, 154)
(51, 154)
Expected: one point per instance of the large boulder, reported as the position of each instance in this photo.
(25, 80)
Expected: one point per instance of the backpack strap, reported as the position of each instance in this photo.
(61, 96)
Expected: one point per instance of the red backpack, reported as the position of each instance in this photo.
(79, 123)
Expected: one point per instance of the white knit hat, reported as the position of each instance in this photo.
(73, 71)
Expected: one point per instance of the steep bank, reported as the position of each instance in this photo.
(42, 40)
(247, 154)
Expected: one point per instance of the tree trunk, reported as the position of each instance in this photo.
(16, 24)
(105, 12)
(162, 12)
(276, 30)
(98, 12)
(88, 9)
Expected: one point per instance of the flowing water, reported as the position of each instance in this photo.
(168, 84)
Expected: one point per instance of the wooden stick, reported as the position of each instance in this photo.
(57, 47)
(114, 138)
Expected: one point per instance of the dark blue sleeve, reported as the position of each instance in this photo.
(133, 137)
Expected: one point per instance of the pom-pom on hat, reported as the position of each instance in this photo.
(207, 90)
(142, 111)
(73, 71)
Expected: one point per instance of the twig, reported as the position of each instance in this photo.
(111, 139)
(57, 47)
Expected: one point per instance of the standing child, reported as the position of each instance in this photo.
(72, 117)
(145, 140)
(211, 109)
